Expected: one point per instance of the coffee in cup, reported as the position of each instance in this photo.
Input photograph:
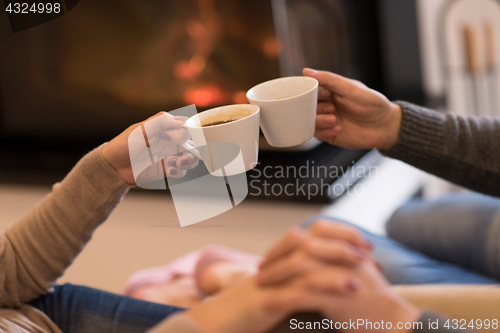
(236, 124)
(232, 114)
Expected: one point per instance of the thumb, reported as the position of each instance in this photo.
(168, 125)
(336, 83)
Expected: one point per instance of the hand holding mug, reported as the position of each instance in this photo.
(351, 115)
(165, 136)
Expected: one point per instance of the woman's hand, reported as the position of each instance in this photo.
(163, 134)
(353, 116)
(300, 251)
(241, 308)
(373, 300)
(317, 285)
(238, 309)
(330, 279)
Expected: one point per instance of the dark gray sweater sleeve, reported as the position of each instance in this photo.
(462, 150)
(437, 324)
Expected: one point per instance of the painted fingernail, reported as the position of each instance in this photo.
(173, 172)
(181, 118)
(360, 253)
(354, 284)
(165, 136)
(172, 162)
(184, 163)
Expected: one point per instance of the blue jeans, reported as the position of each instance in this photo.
(450, 240)
(76, 309)
(454, 240)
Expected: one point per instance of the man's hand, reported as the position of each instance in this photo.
(168, 129)
(303, 251)
(351, 115)
(320, 271)
(372, 301)
(307, 271)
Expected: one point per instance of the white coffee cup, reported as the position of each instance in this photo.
(242, 131)
(288, 109)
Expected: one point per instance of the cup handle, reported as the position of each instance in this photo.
(192, 150)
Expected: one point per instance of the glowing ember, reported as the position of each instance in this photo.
(189, 70)
(205, 96)
(184, 71)
(271, 47)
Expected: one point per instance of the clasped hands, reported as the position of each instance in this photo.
(329, 269)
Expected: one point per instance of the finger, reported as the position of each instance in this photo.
(175, 121)
(183, 149)
(165, 120)
(325, 121)
(332, 280)
(325, 108)
(187, 161)
(324, 95)
(156, 115)
(337, 230)
(177, 135)
(176, 172)
(329, 134)
(294, 300)
(293, 238)
(337, 252)
(337, 84)
(287, 268)
(334, 251)
(166, 126)
(172, 161)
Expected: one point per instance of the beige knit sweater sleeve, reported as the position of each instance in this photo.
(36, 250)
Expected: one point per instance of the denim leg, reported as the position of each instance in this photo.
(403, 265)
(76, 309)
(462, 229)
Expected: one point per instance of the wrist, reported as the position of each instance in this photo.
(392, 127)
(113, 157)
(238, 309)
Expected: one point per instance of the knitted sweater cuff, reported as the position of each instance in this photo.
(422, 133)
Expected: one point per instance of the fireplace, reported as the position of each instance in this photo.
(79, 80)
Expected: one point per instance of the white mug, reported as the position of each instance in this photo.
(213, 143)
(288, 109)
